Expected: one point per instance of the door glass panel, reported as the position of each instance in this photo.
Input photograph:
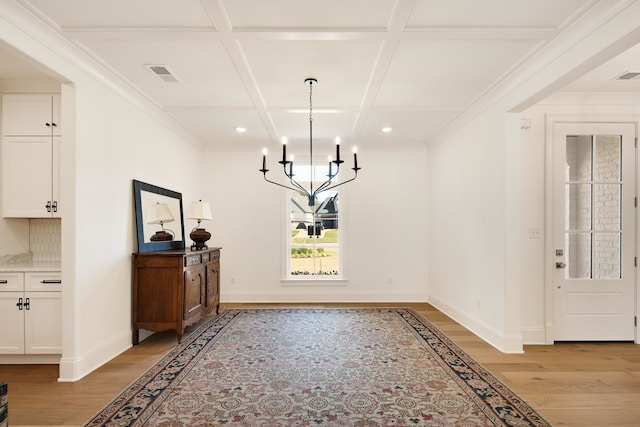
(607, 158)
(578, 207)
(593, 202)
(606, 255)
(579, 158)
(606, 207)
(578, 256)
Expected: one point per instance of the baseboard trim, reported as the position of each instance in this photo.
(506, 343)
(311, 294)
(75, 368)
(533, 336)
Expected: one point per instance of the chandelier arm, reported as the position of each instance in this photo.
(339, 184)
(299, 187)
(286, 186)
(328, 182)
(323, 186)
(295, 185)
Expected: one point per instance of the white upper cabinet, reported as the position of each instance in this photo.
(30, 162)
(31, 115)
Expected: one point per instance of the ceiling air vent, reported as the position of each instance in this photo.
(629, 75)
(163, 73)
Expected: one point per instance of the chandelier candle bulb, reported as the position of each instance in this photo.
(337, 150)
(330, 167)
(355, 158)
(284, 150)
(264, 159)
(290, 166)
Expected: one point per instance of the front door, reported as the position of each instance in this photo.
(594, 233)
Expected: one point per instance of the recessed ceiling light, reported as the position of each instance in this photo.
(387, 129)
(241, 129)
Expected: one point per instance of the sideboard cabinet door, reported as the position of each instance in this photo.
(213, 283)
(193, 295)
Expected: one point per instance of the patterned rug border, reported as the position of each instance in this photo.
(142, 397)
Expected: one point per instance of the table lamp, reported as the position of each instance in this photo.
(199, 210)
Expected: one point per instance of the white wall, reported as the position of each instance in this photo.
(111, 137)
(469, 225)
(109, 154)
(384, 231)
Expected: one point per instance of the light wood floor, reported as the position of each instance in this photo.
(572, 384)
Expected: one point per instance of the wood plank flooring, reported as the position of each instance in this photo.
(570, 384)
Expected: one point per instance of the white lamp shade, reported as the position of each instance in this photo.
(159, 213)
(200, 210)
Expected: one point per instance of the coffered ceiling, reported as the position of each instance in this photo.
(412, 65)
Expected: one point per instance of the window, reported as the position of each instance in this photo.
(593, 199)
(313, 232)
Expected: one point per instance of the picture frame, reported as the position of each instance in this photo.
(145, 195)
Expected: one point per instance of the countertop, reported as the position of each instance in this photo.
(28, 266)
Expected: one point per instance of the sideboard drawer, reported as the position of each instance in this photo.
(192, 260)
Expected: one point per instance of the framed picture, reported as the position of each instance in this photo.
(159, 218)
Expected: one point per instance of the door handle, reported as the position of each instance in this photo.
(560, 265)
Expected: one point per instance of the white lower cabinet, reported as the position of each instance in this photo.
(30, 313)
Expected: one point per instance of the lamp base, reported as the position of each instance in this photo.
(161, 236)
(199, 237)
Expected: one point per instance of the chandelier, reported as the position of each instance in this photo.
(287, 165)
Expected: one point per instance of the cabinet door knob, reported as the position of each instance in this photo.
(55, 206)
(48, 206)
(19, 304)
(27, 304)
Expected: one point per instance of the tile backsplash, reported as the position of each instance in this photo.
(44, 239)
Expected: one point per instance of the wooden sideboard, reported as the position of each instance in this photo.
(174, 289)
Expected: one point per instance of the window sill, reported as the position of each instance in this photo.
(315, 281)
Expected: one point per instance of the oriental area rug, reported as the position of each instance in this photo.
(365, 367)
